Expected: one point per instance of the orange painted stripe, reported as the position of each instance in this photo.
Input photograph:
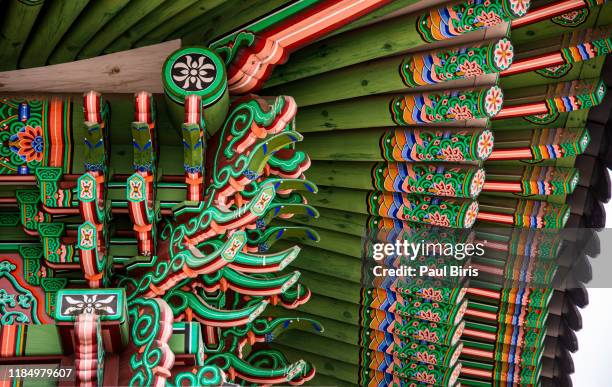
(494, 217)
(9, 333)
(502, 186)
(56, 132)
(531, 64)
(522, 110)
(474, 333)
(483, 292)
(511, 154)
(485, 315)
(477, 352)
(476, 372)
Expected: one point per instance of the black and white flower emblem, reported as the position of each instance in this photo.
(98, 304)
(193, 72)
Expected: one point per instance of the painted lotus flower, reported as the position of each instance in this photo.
(425, 377)
(519, 7)
(28, 143)
(477, 182)
(460, 112)
(471, 214)
(438, 219)
(494, 101)
(485, 144)
(443, 189)
(489, 19)
(451, 154)
(431, 294)
(426, 358)
(427, 335)
(470, 68)
(430, 316)
(503, 54)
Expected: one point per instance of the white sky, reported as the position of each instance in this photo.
(593, 360)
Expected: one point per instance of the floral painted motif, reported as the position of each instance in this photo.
(470, 215)
(136, 192)
(572, 18)
(485, 143)
(460, 113)
(477, 182)
(433, 145)
(471, 69)
(555, 71)
(494, 100)
(425, 179)
(419, 209)
(427, 335)
(489, 19)
(503, 54)
(87, 188)
(86, 238)
(452, 154)
(416, 109)
(28, 143)
(425, 377)
(193, 73)
(456, 63)
(519, 7)
(90, 304)
(450, 21)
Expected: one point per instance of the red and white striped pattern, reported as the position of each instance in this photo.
(193, 115)
(143, 112)
(87, 346)
(252, 68)
(92, 101)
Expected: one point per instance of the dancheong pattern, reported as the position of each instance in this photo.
(177, 242)
(447, 65)
(454, 106)
(447, 22)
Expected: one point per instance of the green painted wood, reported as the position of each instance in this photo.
(324, 380)
(130, 15)
(368, 78)
(546, 29)
(393, 74)
(224, 19)
(372, 17)
(324, 262)
(56, 20)
(158, 17)
(184, 18)
(377, 40)
(335, 220)
(43, 340)
(535, 78)
(16, 22)
(357, 145)
(347, 373)
(340, 199)
(365, 112)
(332, 286)
(332, 308)
(317, 344)
(332, 329)
(89, 22)
(334, 241)
(356, 175)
